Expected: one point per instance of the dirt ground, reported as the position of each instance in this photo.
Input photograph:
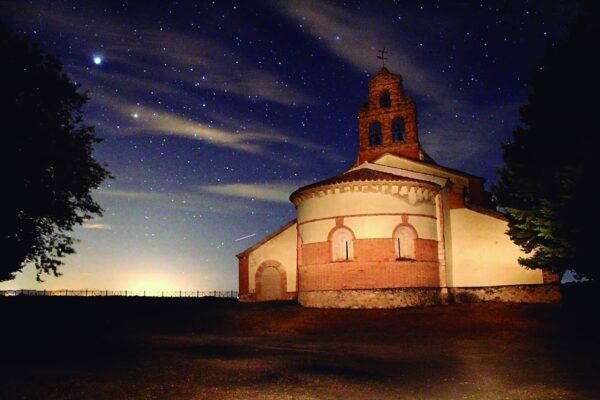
(128, 348)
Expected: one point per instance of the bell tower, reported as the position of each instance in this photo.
(388, 122)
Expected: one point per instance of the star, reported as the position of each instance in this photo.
(97, 60)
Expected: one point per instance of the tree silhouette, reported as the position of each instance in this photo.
(48, 165)
(547, 185)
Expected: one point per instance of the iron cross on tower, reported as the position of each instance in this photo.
(382, 56)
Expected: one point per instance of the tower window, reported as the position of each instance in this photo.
(398, 130)
(342, 248)
(404, 242)
(375, 135)
(384, 99)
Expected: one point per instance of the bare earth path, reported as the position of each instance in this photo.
(78, 348)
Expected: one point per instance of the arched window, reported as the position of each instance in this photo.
(342, 248)
(404, 241)
(398, 130)
(384, 99)
(375, 135)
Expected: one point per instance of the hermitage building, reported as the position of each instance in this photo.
(395, 230)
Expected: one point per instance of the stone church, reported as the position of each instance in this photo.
(395, 230)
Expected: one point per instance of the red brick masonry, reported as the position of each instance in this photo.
(401, 106)
(368, 275)
(374, 266)
(243, 275)
(380, 249)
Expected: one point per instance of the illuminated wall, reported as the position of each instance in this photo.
(369, 215)
(483, 254)
(281, 248)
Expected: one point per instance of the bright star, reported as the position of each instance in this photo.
(135, 115)
(97, 60)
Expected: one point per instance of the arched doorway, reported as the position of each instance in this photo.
(271, 282)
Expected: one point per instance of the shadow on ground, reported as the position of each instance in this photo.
(128, 348)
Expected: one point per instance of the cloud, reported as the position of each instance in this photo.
(250, 137)
(273, 192)
(196, 200)
(166, 67)
(470, 135)
(230, 199)
(130, 194)
(176, 68)
(98, 226)
(188, 62)
(356, 38)
(452, 129)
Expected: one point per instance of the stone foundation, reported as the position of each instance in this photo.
(246, 297)
(251, 297)
(421, 297)
(371, 298)
(507, 294)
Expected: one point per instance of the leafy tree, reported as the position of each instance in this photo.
(547, 188)
(48, 166)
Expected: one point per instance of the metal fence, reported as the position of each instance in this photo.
(122, 293)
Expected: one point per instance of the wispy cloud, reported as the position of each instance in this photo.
(469, 134)
(230, 199)
(272, 192)
(193, 201)
(252, 137)
(185, 201)
(356, 38)
(154, 82)
(188, 62)
(453, 129)
(97, 226)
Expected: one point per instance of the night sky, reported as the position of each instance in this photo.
(213, 113)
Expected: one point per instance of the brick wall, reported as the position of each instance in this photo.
(374, 250)
(377, 249)
(244, 279)
(456, 200)
(401, 107)
(476, 192)
(426, 249)
(374, 266)
(368, 153)
(367, 275)
(316, 253)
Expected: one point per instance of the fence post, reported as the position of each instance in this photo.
(126, 293)
(86, 292)
(66, 292)
(144, 293)
(162, 294)
(197, 293)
